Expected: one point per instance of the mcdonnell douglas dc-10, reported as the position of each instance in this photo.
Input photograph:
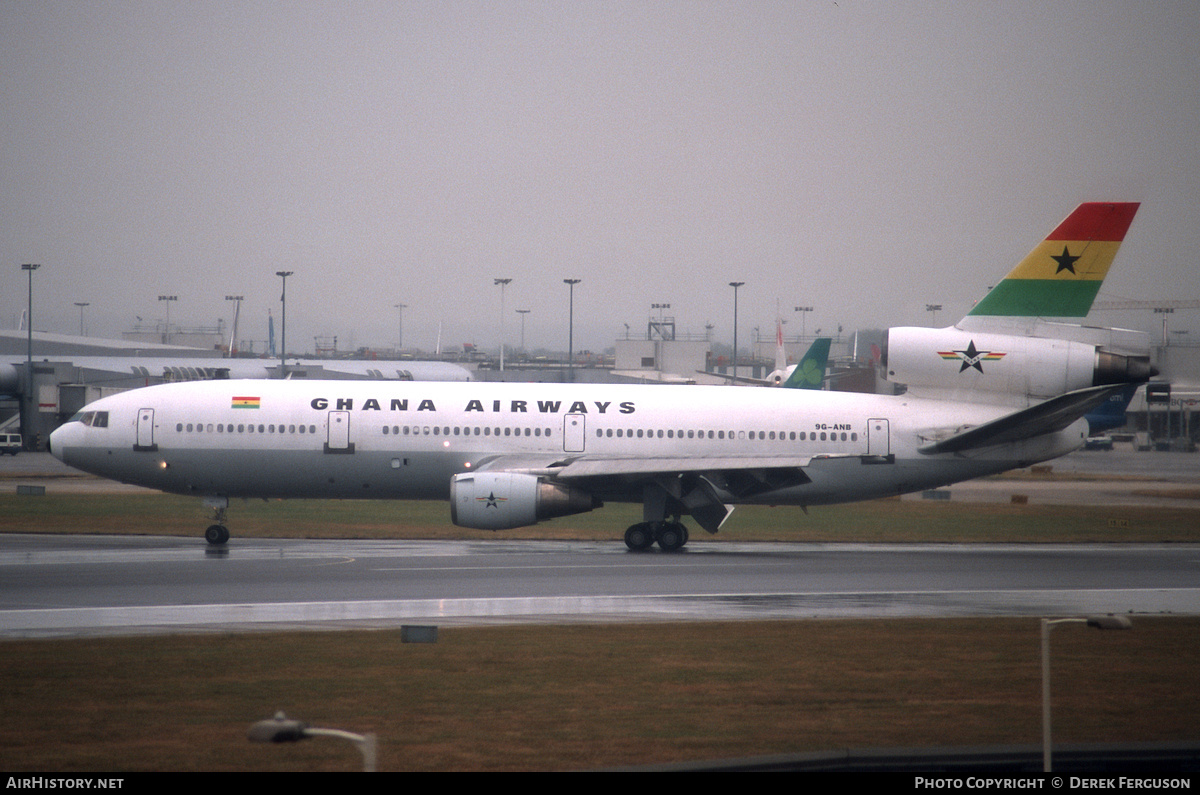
(1003, 388)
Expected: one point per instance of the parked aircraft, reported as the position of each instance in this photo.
(808, 373)
(1111, 413)
(1001, 389)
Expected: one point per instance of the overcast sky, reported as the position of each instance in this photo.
(862, 158)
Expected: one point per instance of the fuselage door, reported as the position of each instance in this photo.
(878, 438)
(574, 433)
(145, 431)
(338, 440)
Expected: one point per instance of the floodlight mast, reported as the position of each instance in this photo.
(282, 729)
(1096, 622)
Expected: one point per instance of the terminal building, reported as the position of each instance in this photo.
(69, 372)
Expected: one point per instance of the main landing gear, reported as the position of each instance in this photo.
(217, 534)
(670, 536)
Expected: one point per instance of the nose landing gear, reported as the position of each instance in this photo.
(217, 534)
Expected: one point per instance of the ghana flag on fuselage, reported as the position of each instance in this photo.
(1061, 276)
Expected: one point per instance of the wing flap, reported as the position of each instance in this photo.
(595, 466)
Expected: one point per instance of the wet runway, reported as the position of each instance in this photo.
(78, 585)
(53, 586)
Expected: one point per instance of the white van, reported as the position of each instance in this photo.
(10, 443)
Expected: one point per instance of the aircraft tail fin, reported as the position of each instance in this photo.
(1111, 413)
(809, 373)
(1063, 273)
(780, 353)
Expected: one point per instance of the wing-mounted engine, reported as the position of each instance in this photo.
(957, 363)
(503, 500)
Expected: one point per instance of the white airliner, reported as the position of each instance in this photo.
(1001, 389)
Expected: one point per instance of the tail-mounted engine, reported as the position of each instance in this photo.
(953, 360)
(503, 500)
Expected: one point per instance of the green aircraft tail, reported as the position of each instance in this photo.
(810, 372)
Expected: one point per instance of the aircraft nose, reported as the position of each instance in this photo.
(59, 440)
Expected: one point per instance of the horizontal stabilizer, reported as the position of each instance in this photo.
(1048, 417)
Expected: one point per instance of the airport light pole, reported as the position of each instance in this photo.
(503, 283)
(237, 314)
(81, 305)
(1096, 622)
(399, 326)
(27, 413)
(282, 729)
(169, 299)
(735, 286)
(803, 310)
(283, 325)
(933, 309)
(571, 330)
(523, 313)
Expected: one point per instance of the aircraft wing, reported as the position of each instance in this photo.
(702, 484)
(742, 476)
(1046, 417)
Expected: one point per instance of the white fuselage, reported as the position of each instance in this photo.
(345, 439)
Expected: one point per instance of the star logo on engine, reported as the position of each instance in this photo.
(491, 500)
(972, 357)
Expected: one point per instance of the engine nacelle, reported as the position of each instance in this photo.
(503, 500)
(953, 360)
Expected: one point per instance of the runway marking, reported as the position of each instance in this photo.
(335, 562)
(555, 567)
(160, 619)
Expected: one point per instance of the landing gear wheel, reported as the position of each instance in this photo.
(216, 534)
(671, 536)
(639, 537)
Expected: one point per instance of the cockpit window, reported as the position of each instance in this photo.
(93, 419)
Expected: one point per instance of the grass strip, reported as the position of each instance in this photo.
(587, 696)
(878, 521)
